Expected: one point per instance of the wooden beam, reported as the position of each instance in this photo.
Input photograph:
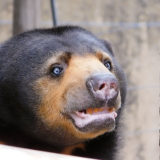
(26, 15)
(8, 153)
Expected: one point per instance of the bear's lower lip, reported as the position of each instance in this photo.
(97, 118)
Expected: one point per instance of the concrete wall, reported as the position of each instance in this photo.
(133, 28)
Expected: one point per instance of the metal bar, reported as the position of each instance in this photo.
(26, 15)
(54, 15)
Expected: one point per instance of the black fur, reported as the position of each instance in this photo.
(20, 60)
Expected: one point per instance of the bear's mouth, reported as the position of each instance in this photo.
(93, 119)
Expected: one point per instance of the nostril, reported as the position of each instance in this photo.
(102, 86)
(113, 85)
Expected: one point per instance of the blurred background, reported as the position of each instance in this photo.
(133, 29)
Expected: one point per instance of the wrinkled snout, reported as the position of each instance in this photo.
(104, 88)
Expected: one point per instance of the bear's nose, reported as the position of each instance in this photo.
(103, 87)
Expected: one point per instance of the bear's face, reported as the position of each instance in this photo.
(79, 96)
(62, 85)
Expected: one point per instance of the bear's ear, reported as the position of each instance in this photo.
(108, 46)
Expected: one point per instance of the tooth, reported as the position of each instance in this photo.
(96, 110)
(102, 109)
(111, 109)
(89, 110)
(93, 110)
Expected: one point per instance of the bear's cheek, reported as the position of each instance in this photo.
(51, 100)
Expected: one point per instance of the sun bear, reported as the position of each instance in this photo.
(61, 90)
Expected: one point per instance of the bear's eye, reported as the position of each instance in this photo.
(108, 65)
(56, 71)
